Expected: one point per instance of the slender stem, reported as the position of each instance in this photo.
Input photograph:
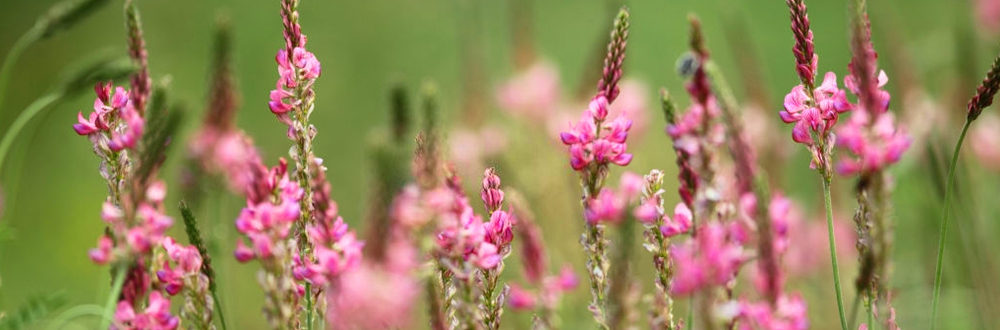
(949, 186)
(30, 112)
(690, 316)
(116, 289)
(309, 307)
(870, 306)
(12, 56)
(833, 251)
(218, 309)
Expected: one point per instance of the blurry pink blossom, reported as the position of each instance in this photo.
(532, 94)
(985, 142)
(370, 297)
(521, 299)
(633, 103)
(156, 316)
(711, 258)
(789, 313)
(989, 14)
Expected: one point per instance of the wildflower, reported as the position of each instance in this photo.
(789, 313)
(372, 297)
(588, 146)
(521, 299)
(155, 317)
(531, 94)
(709, 259)
(985, 142)
(816, 114)
(266, 222)
(680, 223)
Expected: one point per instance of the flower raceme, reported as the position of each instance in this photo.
(337, 250)
(711, 258)
(140, 236)
(298, 71)
(269, 221)
(592, 141)
(871, 134)
(814, 115)
(114, 118)
(610, 205)
(156, 316)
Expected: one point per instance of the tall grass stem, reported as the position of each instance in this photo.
(116, 289)
(948, 188)
(833, 251)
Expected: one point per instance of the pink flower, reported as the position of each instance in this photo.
(486, 256)
(134, 124)
(265, 223)
(871, 135)
(302, 69)
(491, 194)
(817, 113)
(632, 103)
(102, 253)
(874, 145)
(988, 12)
(608, 206)
(788, 314)
(592, 140)
(567, 280)
(531, 94)
(680, 224)
(709, 259)
(521, 299)
(984, 139)
(156, 316)
(499, 230)
(372, 298)
(87, 126)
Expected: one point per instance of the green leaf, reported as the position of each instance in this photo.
(35, 309)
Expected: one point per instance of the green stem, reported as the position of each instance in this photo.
(949, 186)
(12, 56)
(833, 251)
(116, 289)
(309, 307)
(30, 112)
(690, 316)
(870, 306)
(218, 309)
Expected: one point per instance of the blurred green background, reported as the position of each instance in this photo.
(52, 192)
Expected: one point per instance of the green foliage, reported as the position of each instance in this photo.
(33, 310)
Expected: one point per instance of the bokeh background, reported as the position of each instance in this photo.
(934, 52)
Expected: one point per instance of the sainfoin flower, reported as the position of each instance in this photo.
(301, 68)
(712, 258)
(814, 115)
(788, 313)
(266, 223)
(156, 316)
(871, 135)
(592, 141)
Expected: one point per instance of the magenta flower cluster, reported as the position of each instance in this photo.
(814, 115)
(871, 135)
(115, 123)
(711, 258)
(156, 316)
(592, 141)
(268, 221)
(298, 71)
(336, 250)
(463, 236)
